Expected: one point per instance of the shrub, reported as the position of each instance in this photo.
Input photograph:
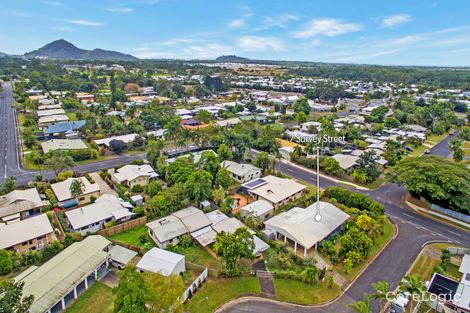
(137, 188)
(6, 263)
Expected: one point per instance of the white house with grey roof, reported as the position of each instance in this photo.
(242, 173)
(260, 210)
(131, 175)
(299, 228)
(20, 204)
(63, 144)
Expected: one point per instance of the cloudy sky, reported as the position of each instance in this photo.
(400, 32)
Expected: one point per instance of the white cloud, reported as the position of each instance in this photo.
(151, 53)
(280, 21)
(257, 43)
(237, 23)
(393, 20)
(176, 41)
(84, 23)
(366, 56)
(327, 27)
(121, 10)
(211, 50)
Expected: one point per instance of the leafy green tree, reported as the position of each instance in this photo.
(436, 179)
(457, 152)
(362, 306)
(6, 262)
(367, 163)
(302, 105)
(218, 195)
(234, 246)
(224, 153)
(331, 166)
(12, 299)
(59, 161)
(414, 286)
(77, 188)
(199, 185)
(179, 170)
(203, 116)
(131, 293)
(301, 117)
(153, 188)
(9, 185)
(263, 161)
(164, 293)
(223, 178)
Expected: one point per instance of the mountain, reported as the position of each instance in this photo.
(64, 50)
(3, 54)
(231, 58)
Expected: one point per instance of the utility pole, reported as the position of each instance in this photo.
(318, 215)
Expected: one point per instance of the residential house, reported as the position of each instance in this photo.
(242, 173)
(162, 261)
(92, 218)
(121, 256)
(278, 191)
(65, 197)
(63, 144)
(124, 138)
(62, 279)
(64, 128)
(346, 161)
(259, 210)
(20, 204)
(131, 175)
(29, 234)
(300, 228)
(45, 121)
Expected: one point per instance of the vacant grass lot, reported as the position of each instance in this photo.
(97, 299)
(131, 236)
(220, 291)
(298, 292)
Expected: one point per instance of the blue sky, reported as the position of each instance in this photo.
(406, 32)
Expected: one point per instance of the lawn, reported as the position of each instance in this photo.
(379, 243)
(200, 256)
(434, 139)
(220, 291)
(418, 151)
(298, 292)
(97, 299)
(30, 165)
(131, 236)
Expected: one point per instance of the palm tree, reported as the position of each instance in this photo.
(381, 292)
(77, 188)
(362, 306)
(414, 286)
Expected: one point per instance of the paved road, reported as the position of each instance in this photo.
(442, 148)
(9, 161)
(413, 231)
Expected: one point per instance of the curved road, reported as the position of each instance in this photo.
(391, 265)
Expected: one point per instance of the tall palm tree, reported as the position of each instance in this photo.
(381, 292)
(414, 286)
(77, 188)
(362, 306)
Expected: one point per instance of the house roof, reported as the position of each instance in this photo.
(124, 138)
(63, 144)
(53, 118)
(121, 255)
(62, 189)
(228, 122)
(300, 224)
(51, 281)
(49, 112)
(19, 201)
(239, 169)
(131, 172)
(192, 218)
(20, 231)
(161, 261)
(105, 207)
(276, 189)
(258, 208)
(167, 228)
(345, 161)
(63, 127)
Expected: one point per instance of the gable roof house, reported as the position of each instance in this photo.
(91, 218)
(29, 234)
(130, 175)
(260, 209)
(64, 195)
(242, 173)
(64, 127)
(63, 144)
(300, 229)
(20, 204)
(278, 191)
(168, 230)
(346, 161)
(62, 279)
(44, 121)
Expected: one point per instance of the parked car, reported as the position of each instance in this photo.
(408, 148)
(427, 151)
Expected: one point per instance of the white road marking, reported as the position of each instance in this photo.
(454, 233)
(409, 215)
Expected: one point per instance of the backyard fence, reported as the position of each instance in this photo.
(458, 251)
(109, 232)
(195, 285)
(212, 273)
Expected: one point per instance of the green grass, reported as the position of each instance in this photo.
(30, 165)
(72, 116)
(219, 292)
(97, 299)
(453, 271)
(418, 151)
(376, 183)
(131, 236)
(424, 267)
(436, 138)
(298, 292)
(200, 256)
(379, 242)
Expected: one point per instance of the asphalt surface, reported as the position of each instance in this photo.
(414, 230)
(442, 148)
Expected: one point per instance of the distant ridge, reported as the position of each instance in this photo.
(63, 50)
(231, 58)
